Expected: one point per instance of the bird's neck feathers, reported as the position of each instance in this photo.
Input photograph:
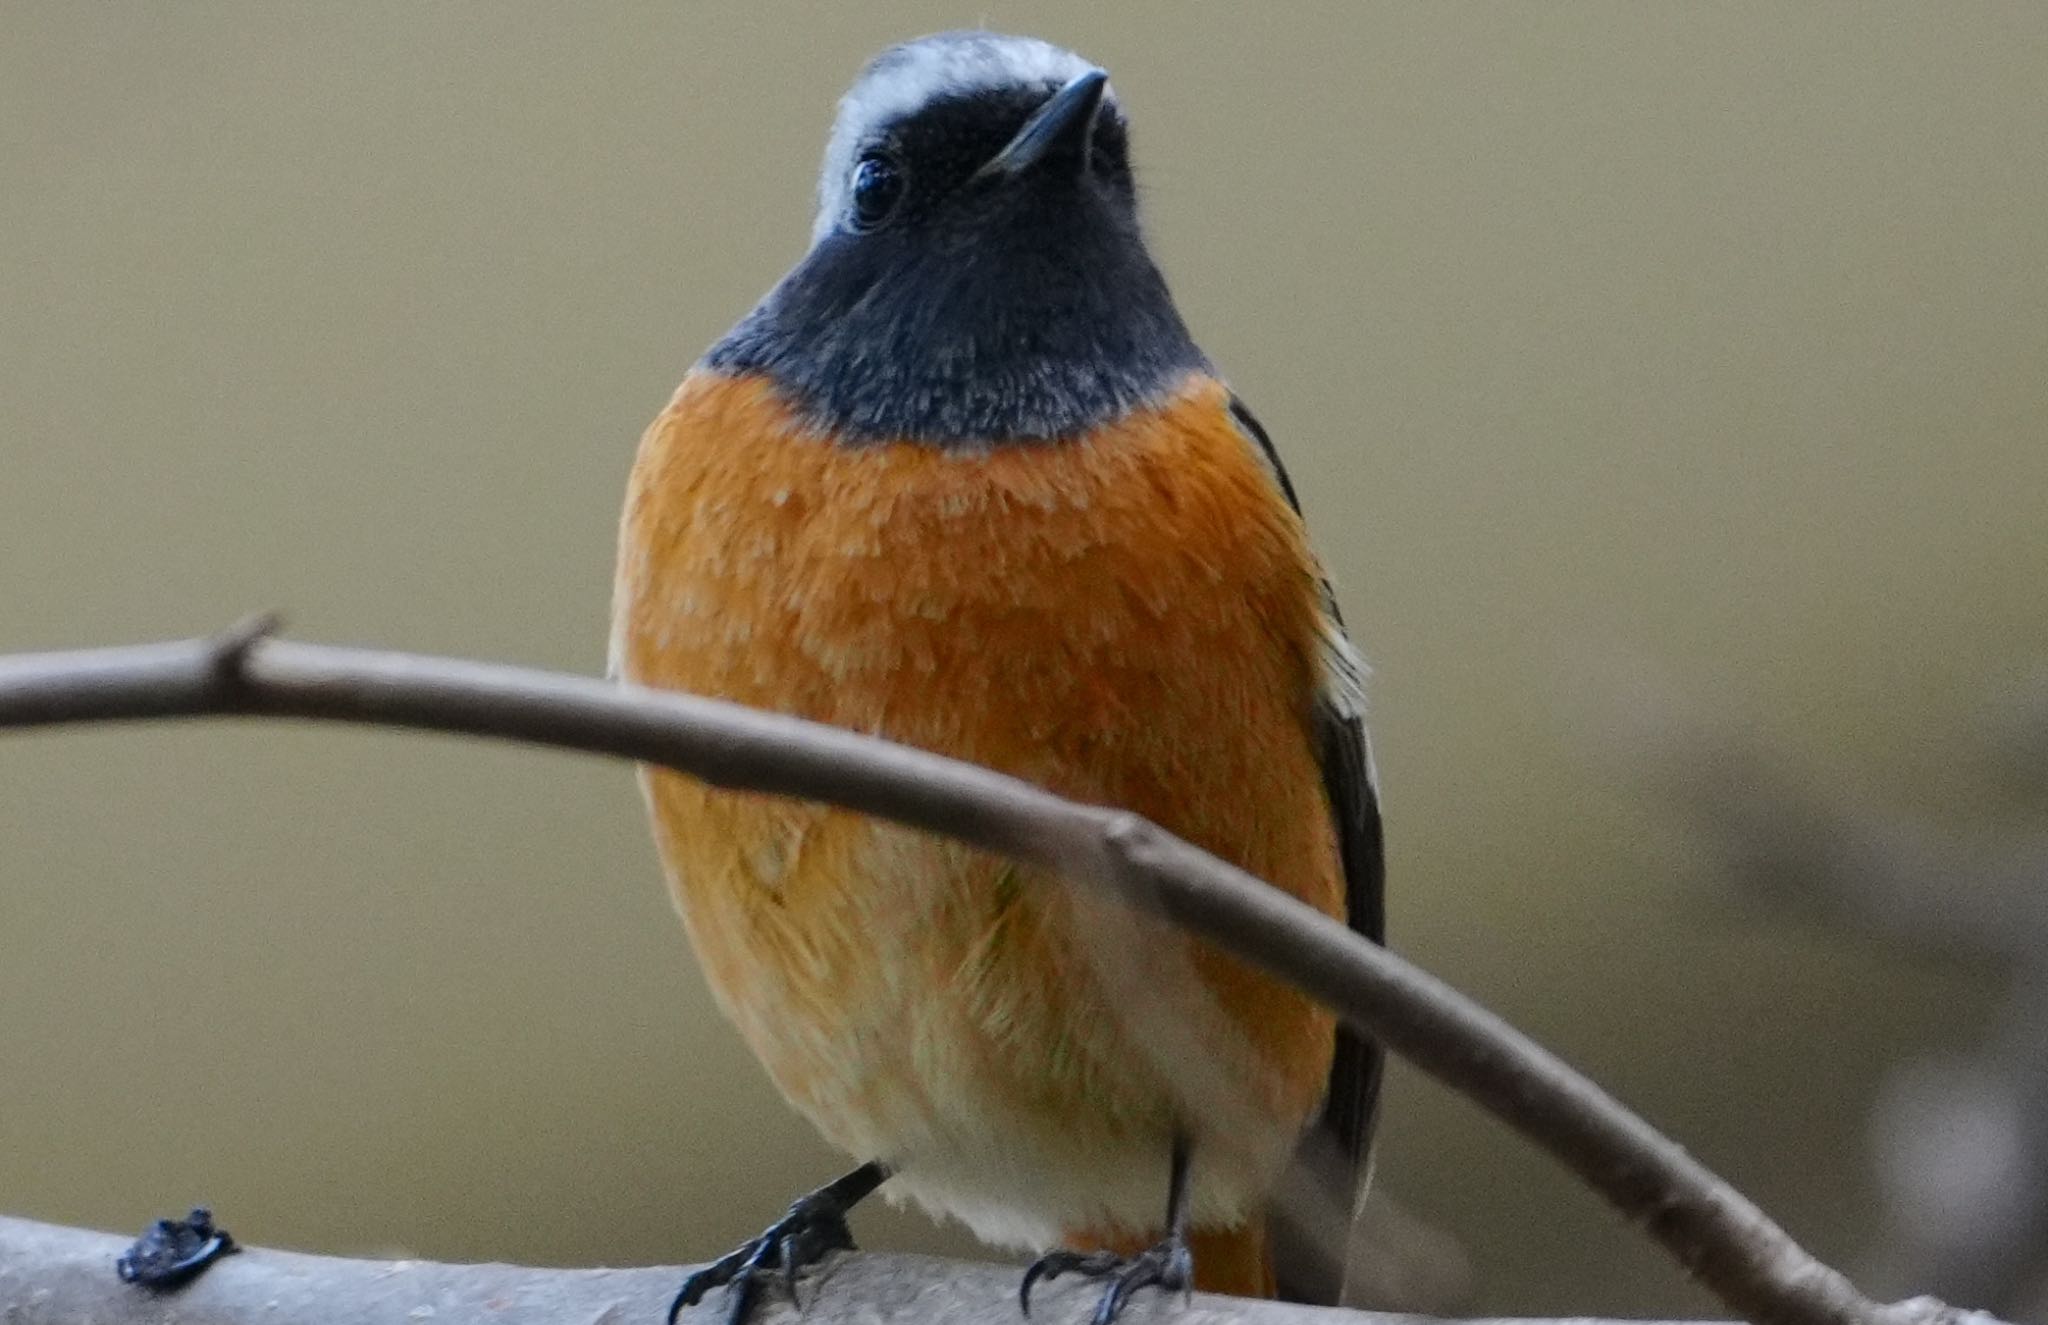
(990, 339)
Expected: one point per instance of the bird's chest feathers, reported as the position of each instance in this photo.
(1000, 604)
(1128, 618)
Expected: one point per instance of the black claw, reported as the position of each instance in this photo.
(1168, 1266)
(1042, 1268)
(1056, 1263)
(787, 1252)
(1112, 1302)
(693, 1290)
(814, 1226)
(743, 1294)
(721, 1271)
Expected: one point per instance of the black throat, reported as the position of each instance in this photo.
(1030, 316)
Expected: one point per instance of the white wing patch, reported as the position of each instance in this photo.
(1344, 671)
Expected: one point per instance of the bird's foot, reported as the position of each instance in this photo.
(1168, 1265)
(814, 1226)
(173, 1252)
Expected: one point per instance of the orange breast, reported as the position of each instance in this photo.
(1128, 619)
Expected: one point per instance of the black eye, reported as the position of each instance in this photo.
(878, 183)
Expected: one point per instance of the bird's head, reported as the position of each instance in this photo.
(960, 133)
(976, 272)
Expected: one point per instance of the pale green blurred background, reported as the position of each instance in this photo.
(1713, 340)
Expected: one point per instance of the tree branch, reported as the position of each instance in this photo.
(65, 1276)
(1717, 1234)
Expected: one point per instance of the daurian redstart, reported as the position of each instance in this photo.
(963, 479)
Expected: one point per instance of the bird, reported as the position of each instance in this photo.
(962, 479)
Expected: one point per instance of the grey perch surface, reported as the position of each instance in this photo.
(65, 1276)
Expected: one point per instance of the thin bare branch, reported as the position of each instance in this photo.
(1717, 1234)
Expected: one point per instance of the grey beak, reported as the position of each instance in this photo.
(1058, 130)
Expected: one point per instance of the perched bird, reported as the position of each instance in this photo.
(962, 479)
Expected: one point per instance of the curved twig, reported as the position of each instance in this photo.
(1715, 1232)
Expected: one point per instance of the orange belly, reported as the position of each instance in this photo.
(1128, 620)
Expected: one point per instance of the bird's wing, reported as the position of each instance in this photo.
(1337, 1153)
